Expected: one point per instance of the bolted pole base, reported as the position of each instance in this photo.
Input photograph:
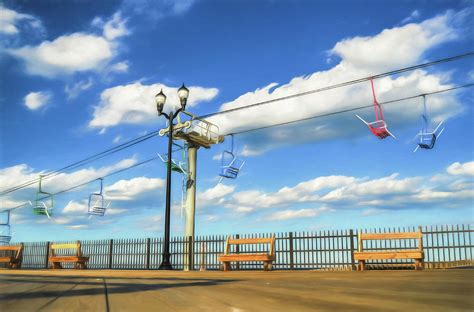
(165, 265)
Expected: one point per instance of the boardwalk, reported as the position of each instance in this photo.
(429, 290)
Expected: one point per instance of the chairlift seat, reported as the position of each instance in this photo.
(230, 169)
(98, 207)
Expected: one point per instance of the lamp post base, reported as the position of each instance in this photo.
(165, 265)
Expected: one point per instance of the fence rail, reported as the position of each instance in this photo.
(444, 246)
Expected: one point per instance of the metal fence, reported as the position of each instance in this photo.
(444, 246)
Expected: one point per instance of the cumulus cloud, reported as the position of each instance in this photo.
(18, 174)
(369, 195)
(37, 100)
(296, 214)
(125, 190)
(11, 21)
(457, 168)
(157, 9)
(413, 16)
(214, 195)
(359, 57)
(134, 103)
(76, 52)
(74, 90)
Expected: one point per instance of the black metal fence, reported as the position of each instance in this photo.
(444, 246)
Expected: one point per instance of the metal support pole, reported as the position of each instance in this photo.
(190, 202)
(165, 263)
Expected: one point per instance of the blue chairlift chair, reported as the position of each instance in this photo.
(230, 164)
(5, 235)
(427, 138)
(44, 202)
(97, 205)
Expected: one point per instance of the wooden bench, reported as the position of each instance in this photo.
(14, 262)
(56, 260)
(266, 258)
(416, 254)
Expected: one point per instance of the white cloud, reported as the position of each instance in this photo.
(74, 90)
(134, 103)
(214, 195)
(77, 227)
(296, 214)
(76, 52)
(360, 57)
(117, 139)
(302, 192)
(157, 9)
(67, 54)
(413, 16)
(120, 67)
(74, 207)
(10, 21)
(151, 223)
(371, 195)
(457, 168)
(115, 27)
(18, 174)
(36, 100)
(125, 190)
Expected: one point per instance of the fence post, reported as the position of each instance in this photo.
(237, 250)
(351, 237)
(190, 253)
(292, 264)
(148, 253)
(111, 246)
(47, 255)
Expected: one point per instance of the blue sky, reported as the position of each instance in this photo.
(79, 77)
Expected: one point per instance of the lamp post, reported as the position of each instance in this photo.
(160, 100)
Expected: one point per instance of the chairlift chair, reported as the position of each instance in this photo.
(230, 164)
(44, 202)
(427, 138)
(379, 126)
(5, 235)
(96, 205)
(179, 166)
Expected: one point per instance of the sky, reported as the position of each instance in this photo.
(79, 77)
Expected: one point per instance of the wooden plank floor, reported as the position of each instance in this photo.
(73, 290)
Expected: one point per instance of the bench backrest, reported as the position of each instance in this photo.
(247, 241)
(76, 246)
(385, 236)
(18, 249)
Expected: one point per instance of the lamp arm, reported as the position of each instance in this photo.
(166, 115)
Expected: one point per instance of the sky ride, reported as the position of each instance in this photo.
(5, 234)
(230, 163)
(427, 139)
(97, 204)
(379, 126)
(44, 202)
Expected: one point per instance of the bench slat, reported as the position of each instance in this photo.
(68, 259)
(10, 248)
(6, 259)
(246, 257)
(64, 246)
(381, 236)
(242, 241)
(399, 254)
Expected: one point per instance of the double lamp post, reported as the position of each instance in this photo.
(160, 100)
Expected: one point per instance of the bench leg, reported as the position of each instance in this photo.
(361, 266)
(227, 266)
(419, 264)
(56, 265)
(267, 265)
